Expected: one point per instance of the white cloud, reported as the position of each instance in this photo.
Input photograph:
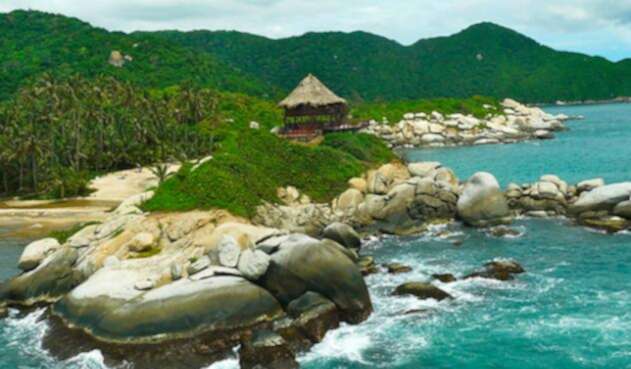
(593, 26)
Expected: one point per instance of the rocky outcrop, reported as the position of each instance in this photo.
(205, 278)
(590, 202)
(482, 203)
(390, 199)
(513, 123)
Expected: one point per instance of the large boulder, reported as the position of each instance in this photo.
(482, 203)
(53, 278)
(36, 252)
(602, 198)
(304, 264)
(110, 308)
(343, 234)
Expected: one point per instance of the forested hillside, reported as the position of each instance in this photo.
(485, 59)
(34, 42)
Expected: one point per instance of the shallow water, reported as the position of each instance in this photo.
(571, 310)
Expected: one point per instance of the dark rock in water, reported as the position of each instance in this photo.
(422, 291)
(397, 268)
(457, 242)
(343, 234)
(611, 224)
(306, 264)
(367, 265)
(266, 350)
(53, 278)
(503, 231)
(314, 315)
(4, 312)
(445, 278)
(500, 270)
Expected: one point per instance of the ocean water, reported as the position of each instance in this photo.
(599, 146)
(570, 310)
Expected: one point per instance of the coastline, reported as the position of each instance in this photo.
(385, 197)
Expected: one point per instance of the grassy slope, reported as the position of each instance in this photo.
(252, 164)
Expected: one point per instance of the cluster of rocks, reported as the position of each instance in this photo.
(590, 202)
(393, 199)
(203, 276)
(501, 270)
(516, 122)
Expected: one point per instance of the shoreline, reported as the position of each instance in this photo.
(157, 257)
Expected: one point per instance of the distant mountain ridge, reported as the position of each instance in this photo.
(484, 59)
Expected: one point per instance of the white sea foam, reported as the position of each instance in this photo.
(347, 342)
(88, 360)
(225, 364)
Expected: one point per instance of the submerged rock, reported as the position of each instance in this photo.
(422, 291)
(482, 203)
(266, 350)
(500, 270)
(445, 278)
(398, 268)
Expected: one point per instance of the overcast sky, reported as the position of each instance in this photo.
(598, 27)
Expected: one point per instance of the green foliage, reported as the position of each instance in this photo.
(251, 164)
(33, 42)
(55, 134)
(394, 111)
(366, 148)
(63, 235)
(485, 59)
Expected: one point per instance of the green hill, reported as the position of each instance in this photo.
(484, 59)
(34, 42)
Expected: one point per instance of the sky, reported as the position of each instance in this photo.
(595, 27)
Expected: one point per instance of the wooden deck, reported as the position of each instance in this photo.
(312, 130)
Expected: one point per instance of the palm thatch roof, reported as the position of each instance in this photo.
(311, 92)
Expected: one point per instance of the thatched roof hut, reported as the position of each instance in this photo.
(311, 93)
(312, 109)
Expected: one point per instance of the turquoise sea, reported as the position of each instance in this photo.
(571, 310)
